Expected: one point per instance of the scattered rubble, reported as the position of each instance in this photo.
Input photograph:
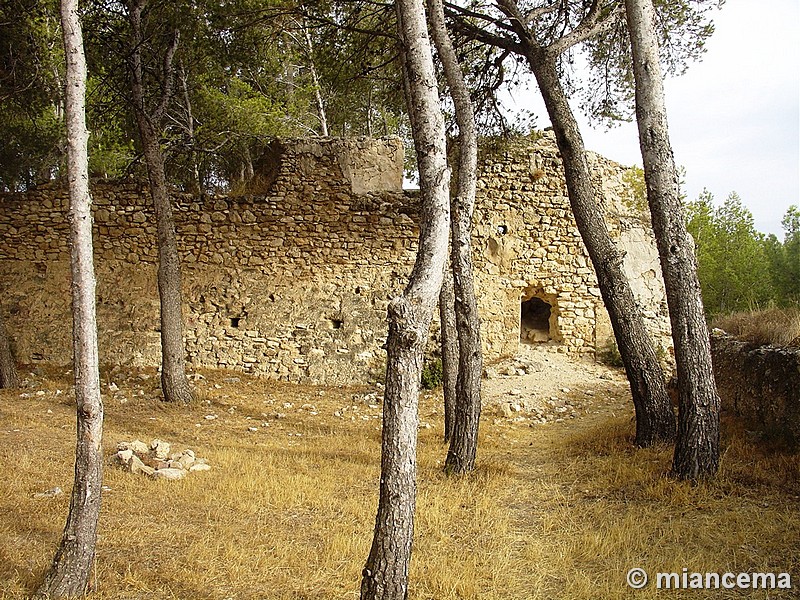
(541, 386)
(156, 461)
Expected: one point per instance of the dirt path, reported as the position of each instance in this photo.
(541, 385)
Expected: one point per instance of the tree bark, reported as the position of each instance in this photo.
(697, 447)
(321, 114)
(655, 421)
(385, 575)
(464, 439)
(71, 570)
(449, 335)
(9, 377)
(174, 383)
(196, 188)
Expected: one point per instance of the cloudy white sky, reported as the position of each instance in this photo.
(733, 116)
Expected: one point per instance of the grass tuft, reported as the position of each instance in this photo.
(776, 326)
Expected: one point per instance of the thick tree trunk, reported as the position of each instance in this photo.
(71, 570)
(385, 575)
(697, 447)
(9, 377)
(174, 383)
(464, 439)
(449, 335)
(655, 420)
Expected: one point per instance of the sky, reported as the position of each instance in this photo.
(734, 117)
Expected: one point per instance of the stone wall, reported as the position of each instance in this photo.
(528, 246)
(294, 283)
(760, 384)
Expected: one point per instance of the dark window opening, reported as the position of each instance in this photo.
(358, 291)
(235, 321)
(535, 321)
(336, 323)
(502, 229)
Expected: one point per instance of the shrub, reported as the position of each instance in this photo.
(432, 374)
(609, 354)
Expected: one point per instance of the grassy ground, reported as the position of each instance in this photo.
(561, 510)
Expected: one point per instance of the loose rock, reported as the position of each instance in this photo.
(155, 460)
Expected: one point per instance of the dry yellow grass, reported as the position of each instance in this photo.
(777, 326)
(555, 511)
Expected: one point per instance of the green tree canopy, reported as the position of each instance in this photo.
(735, 264)
(31, 98)
(784, 258)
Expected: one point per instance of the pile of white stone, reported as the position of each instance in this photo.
(156, 461)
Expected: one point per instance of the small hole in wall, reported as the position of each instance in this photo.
(336, 323)
(502, 229)
(358, 291)
(272, 297)
(235, 321)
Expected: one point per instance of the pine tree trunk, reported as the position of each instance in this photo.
(697, 447)
(196, 187)
(312, 69)
(385, 575)
(464, 439)
(655, 421)
(449, 335)
(174, 383)
(71, 570)
(9, 377)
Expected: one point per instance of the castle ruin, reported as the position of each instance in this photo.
(293, 283)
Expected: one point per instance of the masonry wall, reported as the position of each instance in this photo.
(761, 385)
(527, 245)
(294, 283)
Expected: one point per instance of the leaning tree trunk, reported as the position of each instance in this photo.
(385, 575)
(71, 570)
(655, 420)
(9, 377)
(174, 383)
(449, 337)
(464, 439)
(697, 447)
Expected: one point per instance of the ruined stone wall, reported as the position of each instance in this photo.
(293, 283)
(528, 246)
(760, 385)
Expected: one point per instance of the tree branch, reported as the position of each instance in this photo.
(451, 10)
(169, 77)
(473, 32)
(595, 22)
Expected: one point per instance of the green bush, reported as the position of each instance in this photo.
(432, 374)
(609, 355)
